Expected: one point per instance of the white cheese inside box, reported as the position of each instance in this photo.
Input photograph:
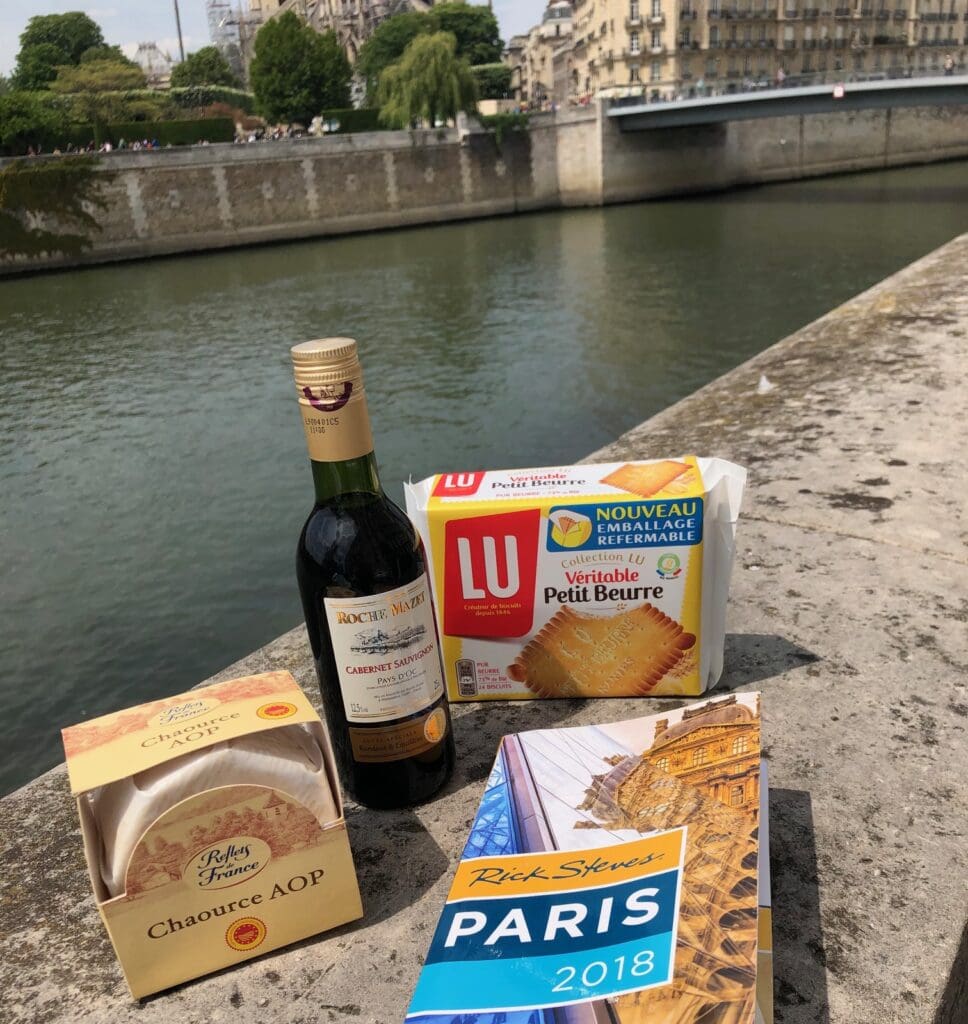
(213, 828)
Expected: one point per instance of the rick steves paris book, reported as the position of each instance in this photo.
(613, 873)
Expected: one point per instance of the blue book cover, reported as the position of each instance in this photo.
(614, 874)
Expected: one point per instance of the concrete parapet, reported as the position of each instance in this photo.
(847, 611)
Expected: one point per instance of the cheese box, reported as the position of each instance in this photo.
(212, 826)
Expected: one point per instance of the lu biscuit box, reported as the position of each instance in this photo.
(591, 580)
(615, 872)
(230, 871)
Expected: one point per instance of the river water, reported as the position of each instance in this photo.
(152, 464)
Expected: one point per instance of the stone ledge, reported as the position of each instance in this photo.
(847, 611)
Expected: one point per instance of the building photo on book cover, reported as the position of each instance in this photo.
(614, 872)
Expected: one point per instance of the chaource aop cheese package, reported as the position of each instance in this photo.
(213, 827)
(613, 872)
(581, 581)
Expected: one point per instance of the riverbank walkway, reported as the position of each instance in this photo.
(848, 611)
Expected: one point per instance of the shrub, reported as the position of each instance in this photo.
(493, 81)
(351, 120)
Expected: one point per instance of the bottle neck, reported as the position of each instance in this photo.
(352, 476)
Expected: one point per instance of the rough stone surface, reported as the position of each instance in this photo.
(848, 612)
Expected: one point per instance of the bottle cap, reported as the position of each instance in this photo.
(332, 399)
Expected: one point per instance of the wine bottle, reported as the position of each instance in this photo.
(366, 597)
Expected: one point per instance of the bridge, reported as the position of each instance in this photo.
(634, 114)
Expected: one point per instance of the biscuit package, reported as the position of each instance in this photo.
(615, 872)
(581, 581)
(213, 827)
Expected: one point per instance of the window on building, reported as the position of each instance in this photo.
(699, 755)
(740, 745)
(635, 45)
(747, 65)
(656, 8)
(686, 35)
(878, 60)
(656, 38)
(656, 71)
(788, 35)
(634, 73)
(684, 69)
(711, 67)
(736, 796)
(838, 64)
(858, 62)
(713, 34)
(662, 764)
(633, 8)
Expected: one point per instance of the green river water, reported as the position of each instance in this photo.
(152, 464)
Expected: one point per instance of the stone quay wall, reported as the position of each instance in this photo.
(210, 197)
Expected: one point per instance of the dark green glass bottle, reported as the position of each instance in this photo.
(366, 597)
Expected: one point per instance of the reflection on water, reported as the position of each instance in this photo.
(152, 464)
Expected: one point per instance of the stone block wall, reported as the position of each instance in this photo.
(209, 197)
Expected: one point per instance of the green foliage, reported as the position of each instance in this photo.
(96, 90)
(71, 33)
(493, 81)
(186, 132)
(206, 66)
(297, 72)
(28, 120)
(5, 86)
(37, 66)
(60, 193)
(195, 96)
(429, 81)
(475, 29)
(473, 26)
(105, 52)
(388, 43)
(366, 119)
(499, 124)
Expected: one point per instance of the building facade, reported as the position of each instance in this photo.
(532, 56)
(353, 21)
(666, 48)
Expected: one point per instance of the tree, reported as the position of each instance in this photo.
(4, 85)
(493, 81)
(95, 89)
(296, 72)
(71, 33)
(105, 52)
(25, 120)
(37, 67)
(429, 81)
(206, 66)
(387, 44)
(475, 29)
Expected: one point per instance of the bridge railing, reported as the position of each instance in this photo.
(712, 86)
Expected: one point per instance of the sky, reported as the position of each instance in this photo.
(129, 22)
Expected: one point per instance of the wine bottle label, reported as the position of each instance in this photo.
(395, 742)
(386, 653)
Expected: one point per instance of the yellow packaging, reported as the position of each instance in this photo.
(602, 580)
(213, 828)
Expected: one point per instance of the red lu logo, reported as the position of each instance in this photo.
(490, 568)
(457, 485)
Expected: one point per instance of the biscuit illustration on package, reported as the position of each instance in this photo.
(592, 656)
(646, 481)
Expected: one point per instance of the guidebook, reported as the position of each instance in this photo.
(613, 872)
